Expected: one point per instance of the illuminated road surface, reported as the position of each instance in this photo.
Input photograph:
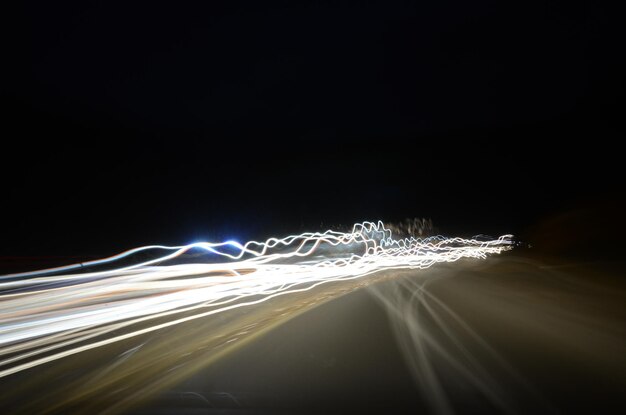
(507, 335)
(502, 334)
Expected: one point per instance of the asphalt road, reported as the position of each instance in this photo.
(515, 333)
(507, 335)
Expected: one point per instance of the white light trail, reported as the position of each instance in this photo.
(51, 314)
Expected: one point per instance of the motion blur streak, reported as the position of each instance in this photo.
(51, 314)
(419, 321)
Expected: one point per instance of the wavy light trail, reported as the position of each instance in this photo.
(51, 314)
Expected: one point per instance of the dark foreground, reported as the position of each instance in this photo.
(513, 333)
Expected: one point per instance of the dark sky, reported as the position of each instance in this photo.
(170, 122)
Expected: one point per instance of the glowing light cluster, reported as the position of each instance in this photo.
(51, 314)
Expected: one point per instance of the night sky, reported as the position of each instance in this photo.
(173, 122)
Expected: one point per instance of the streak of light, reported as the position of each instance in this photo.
(52, 314)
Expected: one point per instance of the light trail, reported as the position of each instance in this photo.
(51, 314)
